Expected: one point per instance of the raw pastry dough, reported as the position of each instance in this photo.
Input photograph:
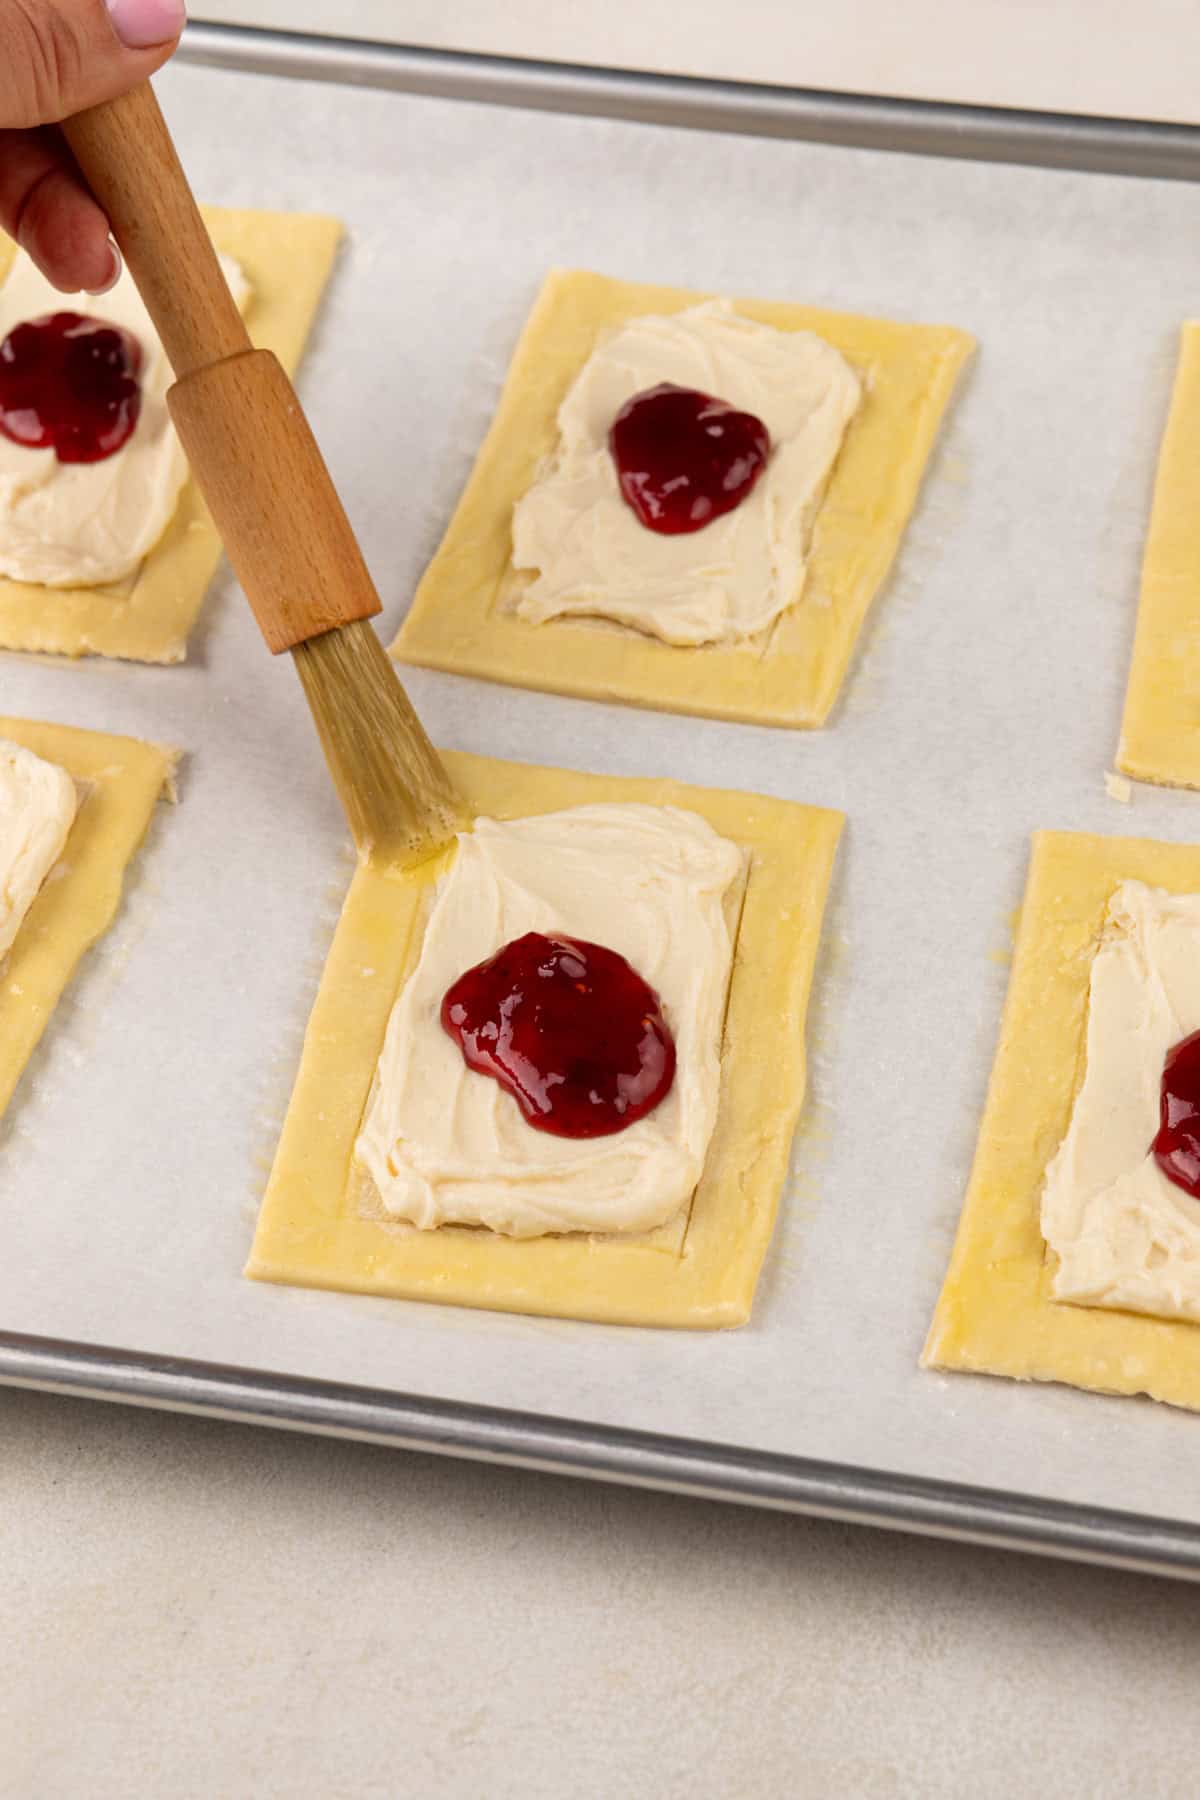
(789, 674)
(443, 1146)
(995, 1314)
(38, 803)
(75, 525)
(1123, 1235)
(146, 617)
(579, 549)
(700, 1271)
(1160, 732)
(120, 779)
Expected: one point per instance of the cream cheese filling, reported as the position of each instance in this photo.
(37, 808)
(1124, 1235)
(83, 524)
(444, 1143)
(739, 572)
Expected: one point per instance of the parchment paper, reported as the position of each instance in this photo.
(985, 703)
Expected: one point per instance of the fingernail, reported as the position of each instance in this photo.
(117, 266)
(140, 23)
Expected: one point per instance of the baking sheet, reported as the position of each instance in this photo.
(985, 703)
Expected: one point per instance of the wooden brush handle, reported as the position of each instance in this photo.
(237, 415)
(128, 159)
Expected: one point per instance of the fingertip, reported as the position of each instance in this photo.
(117, 266)
(147, 24)
(66, 234)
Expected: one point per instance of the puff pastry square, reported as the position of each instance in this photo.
(791, 673)
(995, 1314)
(119, 779)
(314, 1228)
(1160, 730)
(147, 616)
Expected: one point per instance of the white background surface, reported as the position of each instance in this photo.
(204, 1609)
(1109, 57)
(199, 1610)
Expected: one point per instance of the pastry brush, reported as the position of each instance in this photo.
(266, 484)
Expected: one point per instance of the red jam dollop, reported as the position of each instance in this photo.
(1176, 1149)
(70, 384)
(569, 1029)
(684, 458)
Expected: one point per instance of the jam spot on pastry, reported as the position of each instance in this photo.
(567, 1028)
(70, 384)
(1176, 1149)
(684, 458)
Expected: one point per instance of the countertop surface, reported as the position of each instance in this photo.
(198, 1609)
(195, 1608)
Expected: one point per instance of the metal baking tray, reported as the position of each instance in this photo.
(984, 703)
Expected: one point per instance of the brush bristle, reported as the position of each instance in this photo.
(397, 795)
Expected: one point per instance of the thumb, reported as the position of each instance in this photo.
(63, 55)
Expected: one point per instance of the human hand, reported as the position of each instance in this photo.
(57, 57)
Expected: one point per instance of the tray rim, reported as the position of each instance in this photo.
(1084, 142)
(551, 1445)
(928, 1506)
